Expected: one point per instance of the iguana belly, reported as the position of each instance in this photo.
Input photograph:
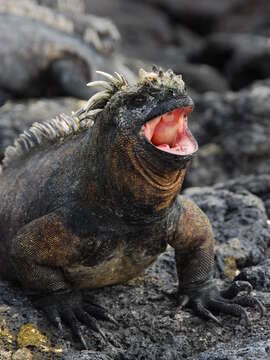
(119, 268)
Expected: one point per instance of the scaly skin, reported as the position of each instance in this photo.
(98, 208)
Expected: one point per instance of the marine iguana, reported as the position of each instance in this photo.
(52, 53)
(92, 199)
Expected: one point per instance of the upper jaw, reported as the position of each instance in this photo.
(168, 133)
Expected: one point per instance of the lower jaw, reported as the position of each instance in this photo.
(164, 161)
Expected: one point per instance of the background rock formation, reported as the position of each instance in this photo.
(49, 50)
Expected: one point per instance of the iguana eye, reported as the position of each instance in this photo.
(138, 100)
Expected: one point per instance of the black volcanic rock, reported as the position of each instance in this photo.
(248, 17)
(200, 78)
(258, 276)
(258, 185)
(243, 58)
(236, 125)
(239, 220)
(260, 350)
(201, 16)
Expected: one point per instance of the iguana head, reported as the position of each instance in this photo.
(143, 129)
(153, 115)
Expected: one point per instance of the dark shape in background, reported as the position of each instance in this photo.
(47, 53)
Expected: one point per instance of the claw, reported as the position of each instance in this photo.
(70, 318)
(246, 300)
(232, 309)
(59, 324)
(85, 318)
(81, 338)
(54, 318)
(69, 308)
(182, 301)
(98, 312)
(235, 288)
(201, 311)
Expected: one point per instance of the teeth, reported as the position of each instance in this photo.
(164, 146)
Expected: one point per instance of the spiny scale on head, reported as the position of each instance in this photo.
(160, 78)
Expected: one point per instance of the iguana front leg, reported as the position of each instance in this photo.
(194, 253)
(39, 254)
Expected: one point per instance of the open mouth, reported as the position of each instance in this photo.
(169, 132)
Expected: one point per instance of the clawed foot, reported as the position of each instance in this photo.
(73, 310)
(209, 299)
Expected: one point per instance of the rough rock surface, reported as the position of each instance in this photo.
(239, 220)
(258, 351)
(258, 185)
(241, 63)
(199, 78)
(258, 276)
(236, 125)
(150, 324)
(176, 30)
(251, 17)
(201, 17)
(210, 16)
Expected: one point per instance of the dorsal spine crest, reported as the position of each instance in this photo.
(63, 126)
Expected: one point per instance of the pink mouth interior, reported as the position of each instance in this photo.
(169, 132)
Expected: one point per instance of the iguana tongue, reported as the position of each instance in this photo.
(169, 132)
(169, 128)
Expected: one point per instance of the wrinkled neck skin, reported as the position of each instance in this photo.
(129, 182)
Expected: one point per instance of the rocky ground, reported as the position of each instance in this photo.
(45, 65)
(150, 326)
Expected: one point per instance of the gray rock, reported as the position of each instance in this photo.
(152, 352)
(239, 220)
(258, 276)
(258, 185)
(240, 62)
(45, 56)
(201, 78)
(86, 355)
(201, 17)
(207, 167)
(251, 17)
(238, 125)
(258, 351)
